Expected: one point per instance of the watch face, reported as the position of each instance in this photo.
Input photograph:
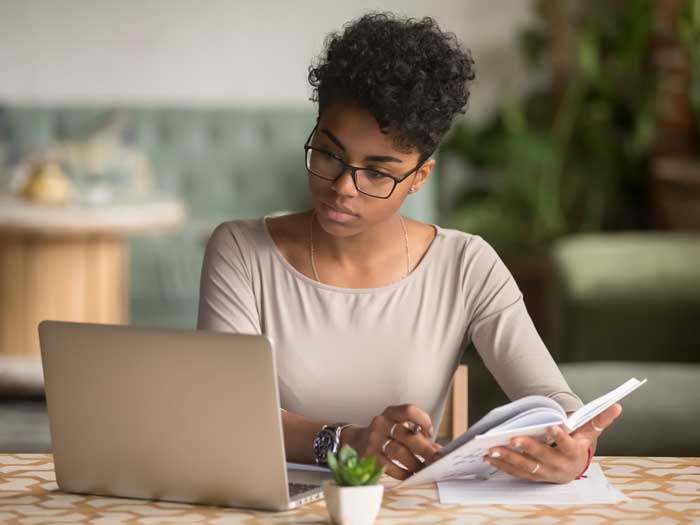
(324, 442)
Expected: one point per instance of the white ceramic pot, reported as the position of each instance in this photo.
(352, 505)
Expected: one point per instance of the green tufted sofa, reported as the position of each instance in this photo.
(224, 162)
(623, 305)
(628, 305)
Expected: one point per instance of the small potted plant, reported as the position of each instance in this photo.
(353, 496)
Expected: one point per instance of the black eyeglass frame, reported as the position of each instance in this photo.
(353, 169)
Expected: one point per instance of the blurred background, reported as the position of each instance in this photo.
(129, 130)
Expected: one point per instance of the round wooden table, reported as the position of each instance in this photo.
(68, 262)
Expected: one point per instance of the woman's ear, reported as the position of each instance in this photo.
(421, 175)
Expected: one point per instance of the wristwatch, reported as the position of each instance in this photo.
(327, 440)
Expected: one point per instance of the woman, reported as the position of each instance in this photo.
(370, 311)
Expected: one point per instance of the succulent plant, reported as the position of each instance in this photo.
(350, 470)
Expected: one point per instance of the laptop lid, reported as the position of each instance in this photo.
(169, 414)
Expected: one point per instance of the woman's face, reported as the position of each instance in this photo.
(353, 134)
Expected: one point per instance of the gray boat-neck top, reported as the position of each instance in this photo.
(345, 354)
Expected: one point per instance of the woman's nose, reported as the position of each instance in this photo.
(344, 184)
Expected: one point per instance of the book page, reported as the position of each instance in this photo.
(588, 411)
(501, 414)
(530, 418)
(467, 460)
(464, 456)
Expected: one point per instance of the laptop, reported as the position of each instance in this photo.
(169, 414)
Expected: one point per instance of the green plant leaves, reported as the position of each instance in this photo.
(351, 470)
(347, 453)
(570, 156)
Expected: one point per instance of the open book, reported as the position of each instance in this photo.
(528, 416)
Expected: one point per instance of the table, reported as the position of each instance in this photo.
(68, 262)
(662, 490)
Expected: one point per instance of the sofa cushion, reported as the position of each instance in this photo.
(625, 296)
(661, 418)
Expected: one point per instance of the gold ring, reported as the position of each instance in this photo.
(534, 470)
(384, 446)
(391, 432)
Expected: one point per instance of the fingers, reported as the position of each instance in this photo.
(417, 444)
(393, 470)
(410, 449)
(407, 412)
(534, 460)
(516, 464)
(387, 448)
(565, 443)
(515, 471)
(535, 449)
(595, 427)
(605, 418)
(397, 451)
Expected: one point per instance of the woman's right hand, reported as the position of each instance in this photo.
(403, 447)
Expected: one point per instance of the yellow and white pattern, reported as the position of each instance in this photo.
(661, 491)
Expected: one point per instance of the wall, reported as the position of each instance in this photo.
(240, 52)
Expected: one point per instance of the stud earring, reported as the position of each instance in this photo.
(411, 190)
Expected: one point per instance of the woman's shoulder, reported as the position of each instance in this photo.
(240, 239)
(466, 247)
(251, 236)
(241, 231)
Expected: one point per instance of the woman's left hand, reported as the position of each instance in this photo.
(560, 464)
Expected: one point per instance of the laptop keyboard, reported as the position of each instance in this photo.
(298, 488)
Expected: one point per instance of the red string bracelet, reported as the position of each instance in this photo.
(588, 464)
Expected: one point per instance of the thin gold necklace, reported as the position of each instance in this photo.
(312, 251)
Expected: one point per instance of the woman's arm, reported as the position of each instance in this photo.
(511, 348)
(405, 444)
(503, 332)
(226, 298)
(227, 303)
(299, 435)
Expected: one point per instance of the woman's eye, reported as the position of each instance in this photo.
(378, 174)
(332, 155)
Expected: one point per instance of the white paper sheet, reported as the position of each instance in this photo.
(506, 489)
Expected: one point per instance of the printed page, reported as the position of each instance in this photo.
(502, 488)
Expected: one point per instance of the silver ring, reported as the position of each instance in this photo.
(596, 428)
(534, 470)
(415, 428)
(384, 446)
(391, 432)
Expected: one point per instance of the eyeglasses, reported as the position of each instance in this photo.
(328, 166)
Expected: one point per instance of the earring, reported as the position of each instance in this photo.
(411, 190)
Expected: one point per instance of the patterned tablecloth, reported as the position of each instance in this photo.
(662, 491)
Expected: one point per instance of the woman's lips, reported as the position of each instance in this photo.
(335, 215)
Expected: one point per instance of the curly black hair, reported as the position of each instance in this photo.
(409, 74)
